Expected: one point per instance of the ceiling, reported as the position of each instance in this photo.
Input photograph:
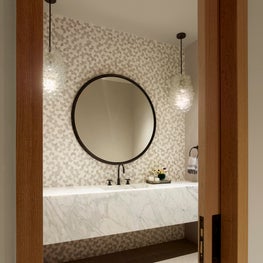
(159, 20)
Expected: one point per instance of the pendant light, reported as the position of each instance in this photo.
(54, 69)
(181, 90)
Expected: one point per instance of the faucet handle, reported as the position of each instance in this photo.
(109, 182)
(128, 180)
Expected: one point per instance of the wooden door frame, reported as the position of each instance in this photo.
(208, 120)
(223, 125)
(231, 48)
(29, 198)
(234, 129)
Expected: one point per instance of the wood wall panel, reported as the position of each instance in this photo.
(234, 130)
(29, 131)
(209, 118)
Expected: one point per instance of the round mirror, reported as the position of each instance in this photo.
(113, 119)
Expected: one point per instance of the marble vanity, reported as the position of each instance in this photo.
(74, 213)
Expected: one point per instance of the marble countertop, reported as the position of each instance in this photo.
(78, 190)
(74, 213)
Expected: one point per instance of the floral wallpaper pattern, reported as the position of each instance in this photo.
(88, 51)
(81, 249)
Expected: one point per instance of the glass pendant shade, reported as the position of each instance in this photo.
(53, 68)
(53, 71)
(181, 92)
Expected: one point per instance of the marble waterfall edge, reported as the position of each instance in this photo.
(75, 213)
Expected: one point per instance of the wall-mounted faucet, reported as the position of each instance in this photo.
(123, 171)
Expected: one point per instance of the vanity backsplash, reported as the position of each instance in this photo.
(88, 51)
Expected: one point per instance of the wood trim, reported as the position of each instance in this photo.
(29, 131)
(234, 130)
(223, 125)
(209, 118)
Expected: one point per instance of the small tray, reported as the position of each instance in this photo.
(164, 181)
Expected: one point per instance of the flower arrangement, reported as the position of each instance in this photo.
(160, 173)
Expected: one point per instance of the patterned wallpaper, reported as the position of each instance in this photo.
(85, 248)
(88, 51)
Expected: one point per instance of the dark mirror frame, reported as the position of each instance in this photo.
(74, 124)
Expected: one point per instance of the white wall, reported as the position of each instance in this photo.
(255, 109)
(191, 117)
(7, 131)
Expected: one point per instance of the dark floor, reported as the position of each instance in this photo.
(147, 254)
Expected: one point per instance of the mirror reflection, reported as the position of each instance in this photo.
(113, 119)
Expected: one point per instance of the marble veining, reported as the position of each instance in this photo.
(74, 213)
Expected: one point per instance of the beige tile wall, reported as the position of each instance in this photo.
(89, 50)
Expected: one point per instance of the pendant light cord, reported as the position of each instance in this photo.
(49, 29)
(181, 36)
(181, 56)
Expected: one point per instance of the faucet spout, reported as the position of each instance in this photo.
(123, 171)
